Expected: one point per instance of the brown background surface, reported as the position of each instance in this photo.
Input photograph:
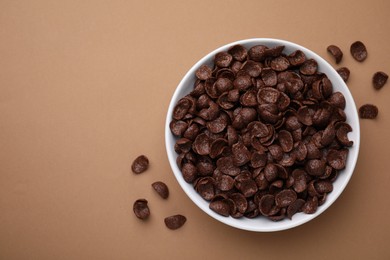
(84, 89)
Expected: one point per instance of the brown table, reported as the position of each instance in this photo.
(84, 89)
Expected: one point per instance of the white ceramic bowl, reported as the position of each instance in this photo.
(262, 224)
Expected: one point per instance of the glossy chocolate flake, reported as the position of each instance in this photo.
(141, 209)
(368, 111)
(140, 164)
(344, 73)
(379, 79)
(174, 222)
(358, 51)
(161, 188)
(335, 52)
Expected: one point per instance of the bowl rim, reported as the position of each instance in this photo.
(172, 155)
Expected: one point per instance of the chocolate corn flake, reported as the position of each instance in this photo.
(280, 63)
(285, 140)
(337, 99)
(368, 111)
(223, 59)
(323, 186)
(285, 197)
(342, 133)
(358, 51)
(222, 207)
(238, 52)
(335, 52)
(296, 58)
(269, 77)
(141, 209)
(337, 159)
(189, 172)
(294, 207)
(181, 108)
(379, 79)
(310, 206)
(309, 67)
(344, 73)
(175, 221)
(204, 72)
(257, 53)
(140, 164)
(225, 182)
(161, 188)
(252, 68)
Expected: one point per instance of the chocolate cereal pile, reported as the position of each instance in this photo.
(262, 133)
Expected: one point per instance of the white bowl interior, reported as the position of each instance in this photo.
(262, 224)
